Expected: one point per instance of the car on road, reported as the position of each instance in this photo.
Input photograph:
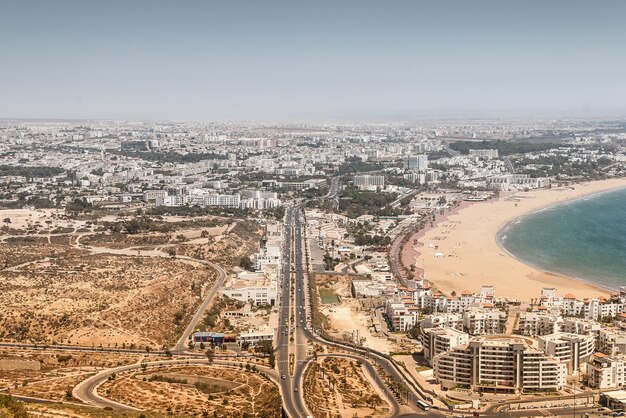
(295, 389)
(283, 377)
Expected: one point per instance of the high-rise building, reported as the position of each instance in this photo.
(416, 162)
(366, 182)
(499, 363)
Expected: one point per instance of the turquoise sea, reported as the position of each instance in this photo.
(583, 238)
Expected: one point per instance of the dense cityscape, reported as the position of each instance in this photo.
(326, 209)
(301, 261)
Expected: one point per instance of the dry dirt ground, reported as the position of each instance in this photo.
(351, 316)
(192, 390)
(337, 387)
(49, 374)
(46, 410)
(101, 299)
(15, 251)
(243, 239)
(53, 290)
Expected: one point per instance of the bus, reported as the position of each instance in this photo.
(423, 405)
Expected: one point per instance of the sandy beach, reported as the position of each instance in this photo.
(462, 253)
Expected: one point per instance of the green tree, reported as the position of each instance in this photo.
(246, 263)
(210, 355)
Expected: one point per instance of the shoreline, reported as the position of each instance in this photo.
(469, 238)
(501, 234)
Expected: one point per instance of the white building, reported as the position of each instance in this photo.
(604, 372)
(573, 350)
(402, 315)
(255, 337)
(366, 288)
(487, 154)
(538, 323)
(516, 181)
(611, 341)
(222, 200)
(499, 364)
(478, 321)
(367, 182)
(440, 340)
(442, 320)
(415, 162)
(258, 295)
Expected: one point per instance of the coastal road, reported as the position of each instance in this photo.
(394, 257)
(509, 165)
(305, 334)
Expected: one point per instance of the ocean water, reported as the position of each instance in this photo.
(583, 238)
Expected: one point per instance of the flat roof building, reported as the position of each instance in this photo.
(499, 364)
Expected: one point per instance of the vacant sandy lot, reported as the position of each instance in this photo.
(49, 374)
(101, 299)
(349, 316)
(338, 387)
(191, 390)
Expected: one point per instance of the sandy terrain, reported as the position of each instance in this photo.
(100, 300)
(353, 316)
(49, 374)
(338, 387)
(191, 390)
(461, 252)
(54, 287)
(346, 318)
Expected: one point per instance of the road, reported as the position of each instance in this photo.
(294, 321)
(292, 402)
(509, 165)
(181, 345)
(396, 202)
(333, 192)
(394, 257)
(304, 334)
(450, 151)
(87, 390)
(367, 356)
(371, 371)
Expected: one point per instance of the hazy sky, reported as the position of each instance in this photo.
(307, 60)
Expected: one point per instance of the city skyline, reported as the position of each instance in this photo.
(321, 61)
